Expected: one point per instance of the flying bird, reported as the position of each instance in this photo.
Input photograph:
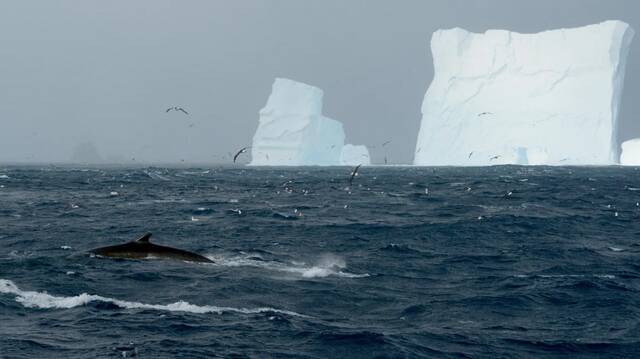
(494, 157)
(353, 174)
(242, 150)
(176, 108)
(386, 143)
(485, 113)
(470, 153)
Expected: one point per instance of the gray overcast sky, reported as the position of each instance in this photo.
(104, 71)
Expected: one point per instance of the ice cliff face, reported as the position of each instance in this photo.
(630, 153)
(508, 98)
(292, 130)
(353, 155)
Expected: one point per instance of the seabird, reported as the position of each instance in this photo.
(353, 174)
(494, 157)
(176, 108)
(386, 143)
(470, 153)
(242, 150)
(485, 113)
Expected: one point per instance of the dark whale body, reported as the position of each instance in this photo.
(141, 248)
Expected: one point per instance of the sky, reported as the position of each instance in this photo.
(104, 72)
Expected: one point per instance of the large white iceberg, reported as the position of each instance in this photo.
(630, 155)
(353, 155)
(508, 98)
(292, 130)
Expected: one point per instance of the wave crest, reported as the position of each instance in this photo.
(43, 300)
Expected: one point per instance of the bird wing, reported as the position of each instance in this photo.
(183, 110)
(353, 174)
(169, 109)
(239, 153)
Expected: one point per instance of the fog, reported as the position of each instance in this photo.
(79, 76)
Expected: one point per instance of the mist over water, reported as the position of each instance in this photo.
(416, 262)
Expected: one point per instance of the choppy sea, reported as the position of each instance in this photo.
(501, 261)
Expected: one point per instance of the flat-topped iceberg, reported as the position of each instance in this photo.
(508, 98)
(292, 130)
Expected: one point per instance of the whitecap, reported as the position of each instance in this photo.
(43, 300)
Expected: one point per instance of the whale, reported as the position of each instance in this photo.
(142, 248)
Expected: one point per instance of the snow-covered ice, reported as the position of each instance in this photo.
(508, 98)
(292, 130)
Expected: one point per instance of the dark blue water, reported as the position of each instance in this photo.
(409, 262)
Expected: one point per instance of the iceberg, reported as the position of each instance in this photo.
(503, 97)
(293, 132)
(86, 153)
(630, 153)
(353, 155)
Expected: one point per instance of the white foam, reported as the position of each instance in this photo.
(4, 177)
(32, 299)
(328, 265)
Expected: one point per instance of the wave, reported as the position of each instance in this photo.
(601, 276)
(328, 265)
(43, 300)
(156, 176)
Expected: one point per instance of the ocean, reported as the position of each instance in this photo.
(492, 262)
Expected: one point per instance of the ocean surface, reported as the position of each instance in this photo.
(491, 262)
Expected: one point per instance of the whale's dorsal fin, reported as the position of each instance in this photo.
(144, 239)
